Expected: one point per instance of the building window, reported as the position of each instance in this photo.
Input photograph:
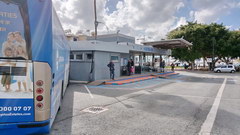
(71, 56)
(89, 56)
(79, 56)
(114, 58)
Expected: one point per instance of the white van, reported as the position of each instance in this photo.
(225, 68)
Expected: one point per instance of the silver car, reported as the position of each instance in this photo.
(237, 67)
(225, 68)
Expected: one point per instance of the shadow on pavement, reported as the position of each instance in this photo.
(173, 107)
(65, 114)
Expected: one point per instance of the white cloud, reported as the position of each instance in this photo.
(181, 21)
(238, 5)
(180, 5)
(149, 17)
(207, 15)
(133, 17)
(207, 11)
(154, 18)
(229, 27)
(78, 14)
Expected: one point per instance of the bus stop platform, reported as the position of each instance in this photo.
(139, 78)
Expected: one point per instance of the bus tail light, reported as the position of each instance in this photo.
(39, 90)
(39, 98)
(40, 105)
(39, 83)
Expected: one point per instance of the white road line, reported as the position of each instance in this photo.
(208, 123)
(233, 80)
(88, 91)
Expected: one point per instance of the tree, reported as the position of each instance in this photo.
(208, 40)
(234, 42)
(193, 33)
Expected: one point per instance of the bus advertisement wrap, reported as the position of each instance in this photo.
(12, 40)
(16, 92)
(16, 88)
(20, 110)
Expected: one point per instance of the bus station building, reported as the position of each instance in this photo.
(89, 58)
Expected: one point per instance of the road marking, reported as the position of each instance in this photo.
(232, 80)
(180, 95)
(89, 92)
(208, 123)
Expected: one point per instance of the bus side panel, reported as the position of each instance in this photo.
(40, 19)
(41, 29)
(60, 65)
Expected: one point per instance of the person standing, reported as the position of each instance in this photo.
(111, 69)
(129, 67)
(173, 66)
(160, 65)
(163, 65)
(132, 66)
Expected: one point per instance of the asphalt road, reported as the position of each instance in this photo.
(188, 104)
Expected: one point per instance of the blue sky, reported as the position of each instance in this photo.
(111, 5)
(233, 19)
(149, 18)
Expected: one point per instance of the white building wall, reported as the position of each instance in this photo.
(101, 69)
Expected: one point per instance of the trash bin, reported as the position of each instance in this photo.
(138, 70)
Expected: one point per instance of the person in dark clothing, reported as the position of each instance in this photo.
(163, 65)
(132, 63)
(111, 68)
(173, 66)
(132, 66)
(185, 66)
(129, 67)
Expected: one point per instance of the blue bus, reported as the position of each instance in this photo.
(34, 66)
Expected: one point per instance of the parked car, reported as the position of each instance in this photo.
(237, 67)
(225, 68)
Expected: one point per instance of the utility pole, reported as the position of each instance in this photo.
(117, 36)
(213, 51)
(95, 21)
(95, 35)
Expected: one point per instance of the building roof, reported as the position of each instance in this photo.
(169, 44)
(112, 35)
(116, 37)
(114, 47)
(97, 46)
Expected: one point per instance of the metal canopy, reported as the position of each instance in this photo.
(169, 44)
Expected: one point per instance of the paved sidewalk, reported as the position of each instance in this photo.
(101, 82)
(139, 78)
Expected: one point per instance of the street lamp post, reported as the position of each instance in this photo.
(95, 21)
